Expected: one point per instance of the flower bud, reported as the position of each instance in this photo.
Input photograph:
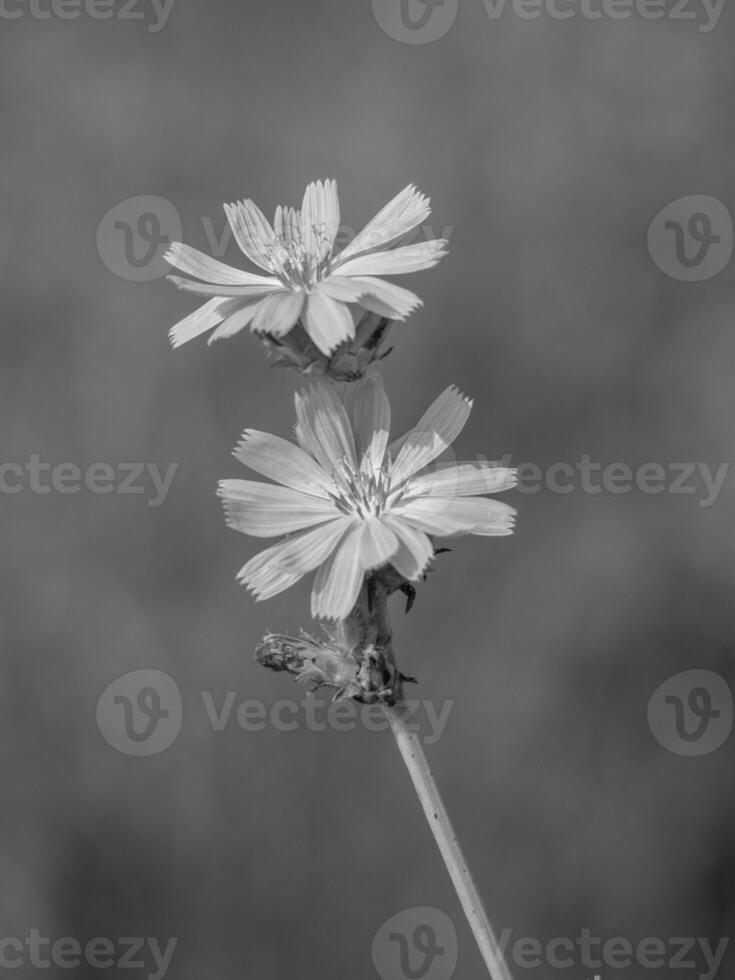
(313, 662)
(348, 362)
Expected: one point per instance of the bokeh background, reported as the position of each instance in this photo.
(547, 147)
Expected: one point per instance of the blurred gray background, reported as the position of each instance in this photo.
(547, 146)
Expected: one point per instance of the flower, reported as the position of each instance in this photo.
(349, 502)
(306, 281)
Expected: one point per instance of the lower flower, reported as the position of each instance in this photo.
(349, 502)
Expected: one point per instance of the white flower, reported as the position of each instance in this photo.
(306, 281)
(350, 502)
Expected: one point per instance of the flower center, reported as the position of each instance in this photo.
(362, 494)
(300, 265)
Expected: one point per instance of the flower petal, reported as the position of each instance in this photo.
(320, 218)
(200, 266)
(377, 543)
(415, 550)
(368, 409)
(409, 258)
(238, 320)
(252, 232)
(396, 219)
(385, 298)
(198, 322)
(341, 288)
(280, 566)
(265, 510)
(282, 461)
(339, 580)
(327, 322)
(437, 429)
(287, 225)
(323, 428)
(277, 313)
(450, 515)
(465, 479)
(261, 288)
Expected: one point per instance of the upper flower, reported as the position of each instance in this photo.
(306, 280)
(364, 502)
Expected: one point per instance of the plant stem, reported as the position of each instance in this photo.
(430, 798)
(441, 826)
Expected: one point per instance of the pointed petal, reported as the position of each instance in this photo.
(385, 298)
(327, 322)
(320, 217)
(466, 479)
(280, 566)
(409, 258)
(415, 550)
(401, 215)
(237, 321)
(377, 543)
(437, 429)
(451, 515)
(277, 313)
(198, 322)
(368, 409)
(261, 288)
(323, 428)
(341, 288)
(287, 225)
(252, 231)
(200, 266)
(282, 461)
(265, 510)
(339, 580)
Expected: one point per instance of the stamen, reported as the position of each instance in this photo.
(296, 265)
(361, 494)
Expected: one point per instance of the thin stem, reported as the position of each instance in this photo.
(441, 827)
(430, 798)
